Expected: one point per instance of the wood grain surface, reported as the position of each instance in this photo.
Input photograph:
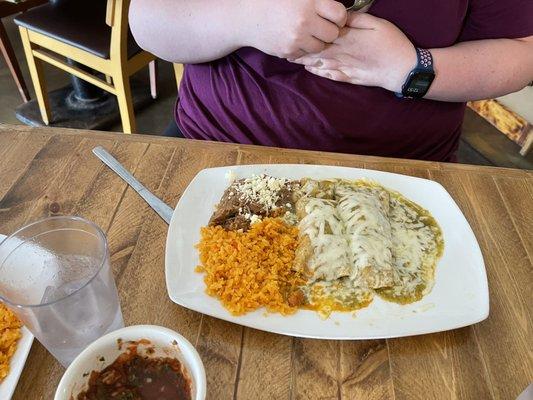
(48, 171)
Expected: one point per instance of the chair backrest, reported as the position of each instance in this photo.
(117, 19)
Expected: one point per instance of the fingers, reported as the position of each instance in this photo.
(325, 30)
(328, 64)
(332, 74)
(342, 73)
(304, 47)
(332, 10)
(309, 60)
(312, 45)
(295, 55)
(362, 21)
(312, 60)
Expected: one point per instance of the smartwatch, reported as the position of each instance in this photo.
(420, 78)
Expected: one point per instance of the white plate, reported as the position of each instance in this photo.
(460, 296)
(8, 385)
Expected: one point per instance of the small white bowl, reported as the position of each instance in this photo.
(102, 352)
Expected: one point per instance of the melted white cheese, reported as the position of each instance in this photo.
(415, 248)
(330, 258)
(365, 216)
(367, 226)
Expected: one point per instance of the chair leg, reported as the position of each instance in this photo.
(37, 76)
(152, 68)
(12, 64)
(125, 101)
(178, 73)
(528, 145)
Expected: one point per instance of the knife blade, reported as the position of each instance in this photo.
(160, 207)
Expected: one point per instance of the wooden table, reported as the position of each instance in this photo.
(51, 171)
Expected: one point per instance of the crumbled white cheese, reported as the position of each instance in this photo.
(262, 189)
(255, 219)
(290, 218)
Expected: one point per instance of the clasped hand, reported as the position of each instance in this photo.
(347, 47)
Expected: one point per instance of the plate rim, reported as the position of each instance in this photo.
(21, 356)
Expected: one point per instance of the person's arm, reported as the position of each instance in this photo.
(482, 69)
(203, 30)
(371, 51)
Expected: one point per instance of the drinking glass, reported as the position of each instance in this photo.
(55, 275)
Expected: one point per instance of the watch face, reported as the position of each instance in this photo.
(418, 84)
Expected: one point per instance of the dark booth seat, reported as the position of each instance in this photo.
(81, 24)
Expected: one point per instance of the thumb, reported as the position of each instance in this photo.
(362, 21)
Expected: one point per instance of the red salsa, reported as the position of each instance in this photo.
(135, 377)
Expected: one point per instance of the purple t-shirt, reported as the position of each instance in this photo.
(250, 97)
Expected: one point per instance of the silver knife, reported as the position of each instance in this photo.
(153, 201)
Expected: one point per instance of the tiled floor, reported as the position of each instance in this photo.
(481, 144)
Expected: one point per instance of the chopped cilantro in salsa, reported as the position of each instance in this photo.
(135, 377)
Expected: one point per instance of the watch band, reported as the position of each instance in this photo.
(424, 60)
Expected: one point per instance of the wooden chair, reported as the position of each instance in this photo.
(7, 9)
(106, 47)
(178, 73)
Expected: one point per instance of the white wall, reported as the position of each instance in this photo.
(520, 102)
